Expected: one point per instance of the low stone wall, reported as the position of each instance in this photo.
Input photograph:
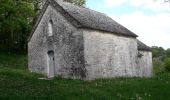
(144, 63)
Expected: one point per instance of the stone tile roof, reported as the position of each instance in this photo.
(95, 20)
(142, 46)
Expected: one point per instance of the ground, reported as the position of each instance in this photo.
(17, 83)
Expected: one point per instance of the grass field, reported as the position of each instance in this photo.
(17, 83)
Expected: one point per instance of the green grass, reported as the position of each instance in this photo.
(14, 61)
(17, 83)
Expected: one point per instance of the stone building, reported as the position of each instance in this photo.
(79, 43)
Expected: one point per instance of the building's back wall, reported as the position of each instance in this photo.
(109, 55)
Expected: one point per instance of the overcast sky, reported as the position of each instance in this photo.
(149, 19)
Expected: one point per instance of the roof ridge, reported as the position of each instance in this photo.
(69, 17)
(85, 8)
(95, 20)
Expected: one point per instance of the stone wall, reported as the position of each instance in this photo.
(66, 42)
(37, 47)
(144, 63)
(108, 55)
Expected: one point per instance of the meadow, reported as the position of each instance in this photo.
(17, 83)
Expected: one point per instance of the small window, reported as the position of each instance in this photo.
(50, 28)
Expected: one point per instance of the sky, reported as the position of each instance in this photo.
(149, 19)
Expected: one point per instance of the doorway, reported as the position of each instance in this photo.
(51, 64)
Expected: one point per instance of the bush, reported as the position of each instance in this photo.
(158, 67)
(167, 64)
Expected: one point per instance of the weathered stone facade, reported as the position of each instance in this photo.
(66, 42)
(108, 55)
(83, 53)
(144, 62)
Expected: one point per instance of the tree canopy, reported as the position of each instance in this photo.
(16, 20)
(77, 2)
(15, 23)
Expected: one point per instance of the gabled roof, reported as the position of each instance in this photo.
(82, 17)
(142, 46)
(95, 20)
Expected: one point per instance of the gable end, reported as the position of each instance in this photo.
(38, 20)
(57, 7)
(63, 12)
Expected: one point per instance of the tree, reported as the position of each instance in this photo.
(77, 2)
(167, 64)
(158, 66)
(15, 23)
(168, 52)
(158, 52)
(38, 4)
(16, 20)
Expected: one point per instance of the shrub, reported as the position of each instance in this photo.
(167, 64)
(158, 66)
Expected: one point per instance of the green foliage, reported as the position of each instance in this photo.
(168, 52)
(167, 64)
(160, 59)
(158, 67)
(158, 52)
(77, 2)
(15, 24)
(13, 61)
(16, 20)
